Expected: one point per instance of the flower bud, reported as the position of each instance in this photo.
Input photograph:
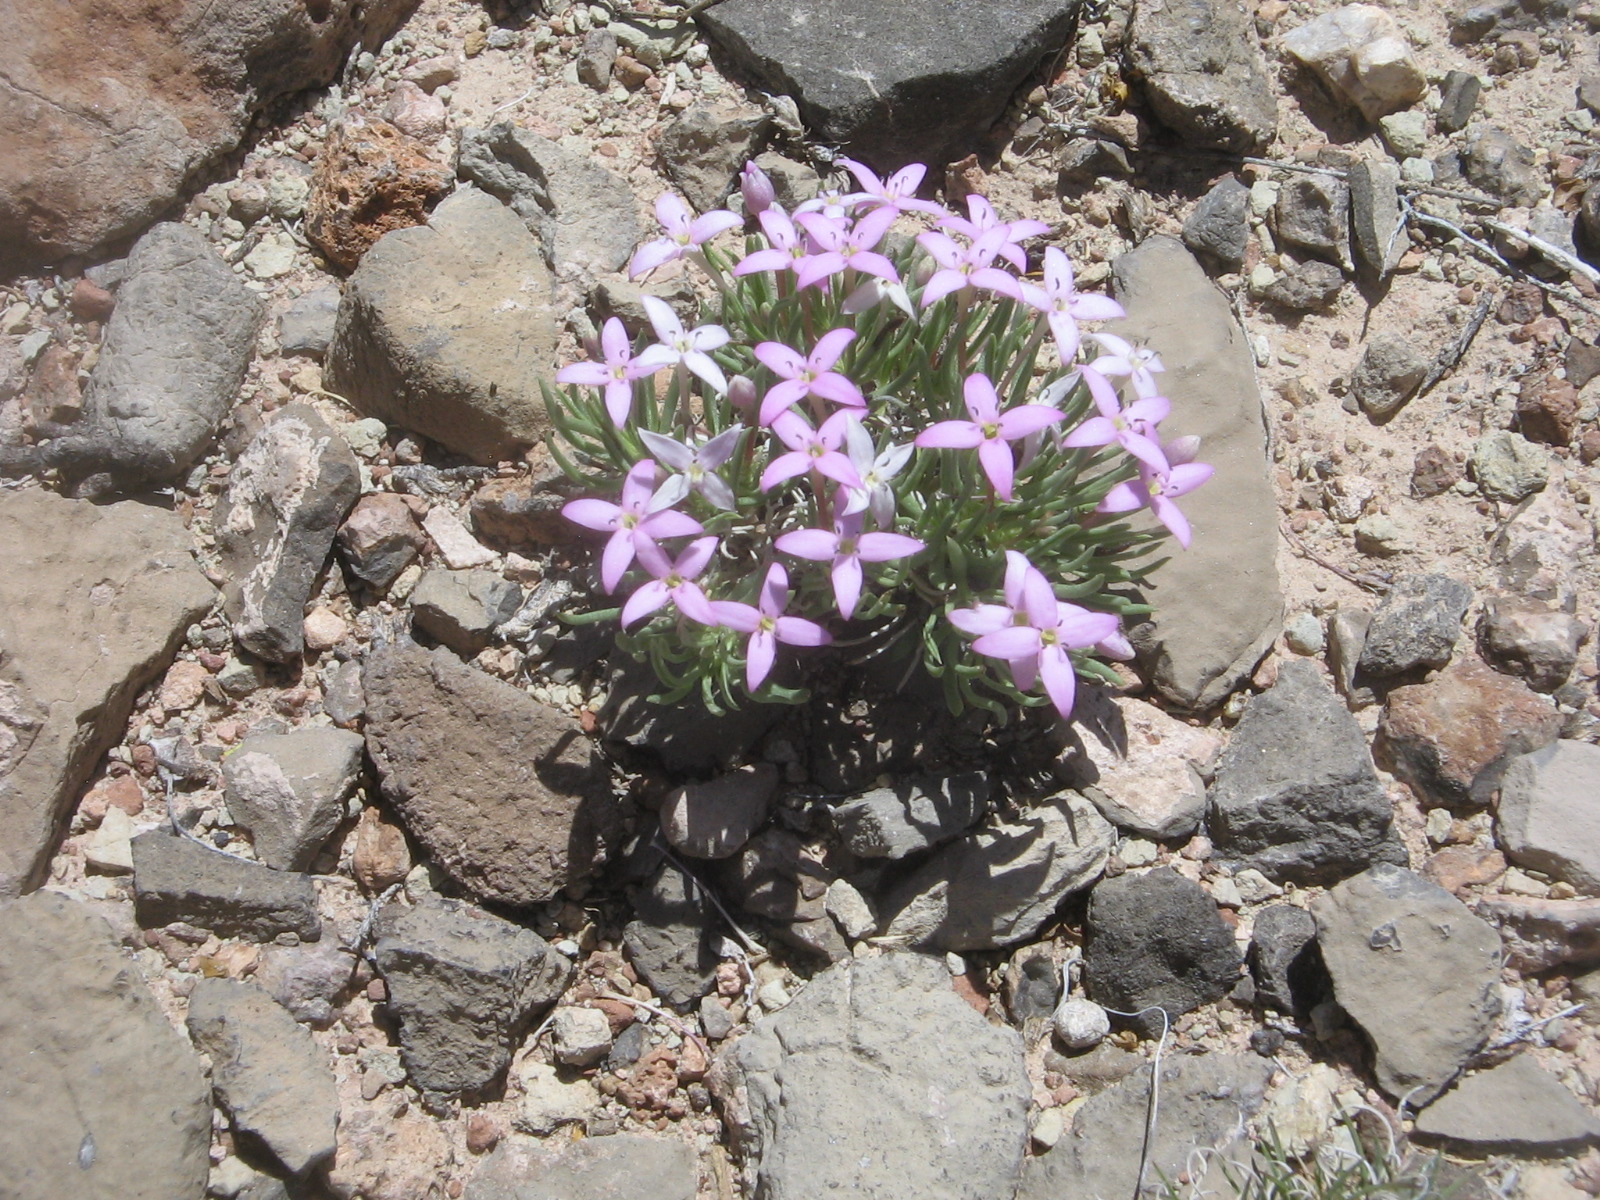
(742, 396)
(756, 189)
(1181, 449)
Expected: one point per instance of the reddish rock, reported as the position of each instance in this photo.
(380, 538)
(1530, 639)
(370, 179)
(1547, 410)
(1451, 738)
(1540, 934)
(1458, 867)
(90, 301)
(381, 857)
(483, 1133)
(53, 396)
(1524, 302)
(1589, 447)
(1433, 471)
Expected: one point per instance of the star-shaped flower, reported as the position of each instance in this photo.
(641, 518)
(989, 430)
(683, 232)
(847, 547)
(686, 346)
(617, 373)
(767, 625)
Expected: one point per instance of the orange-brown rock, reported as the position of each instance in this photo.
(370, 179)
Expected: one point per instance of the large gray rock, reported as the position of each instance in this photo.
(287, 495)
(462, 609)
(1515, 1108)
(289, 790)
(94, 602)
(1217, 604)
(273, 1080)
(507, 795)
(1316, 815)
(1416, 970)
(620, 1167)
(918, 81)
(175, 352)
(1203, 73)
(102, 1099)
(445, 329)
(1205, 1101)
(175, 879)
(584, 216)
(854, 1088)
(998, 886)
(1547, 814)
(463, 984)
(109, 120)
(916, 814)
(1220, 223)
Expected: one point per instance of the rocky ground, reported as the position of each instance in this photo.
(339, 866)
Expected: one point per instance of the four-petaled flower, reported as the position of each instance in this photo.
(981, 218)
(1157, 487)
(674, 581)
(767, 625)
(684, 232)
(990, 430)
(846, 246)
(1122, 357)
(876, 469)
(686, 346)
(617, 373)
(966, 266)
(697, 467)
(786, 246)
(846, 547)
(636, 522)
(810, 450)
(1133, 428)
(1063, 306)
(813, 376)
(898, 192)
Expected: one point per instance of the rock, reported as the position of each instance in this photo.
(998, 886)
(779, 877)
(1306, 287)
(596, 58)
(1219, 226)
(324, 629)
(286, 496)
(456, 546)
(1536, 549)
(1458, 97)
(94, 602)
(520, 514)
(1406, 134)
(1541, 934)
(581, 1036)
(1203, 74)
(1545, 819)
(1140, 767)
(463, 985)
(1452, 738)
(103, 1098)
(306, 326)
(1205, 1101)
(1390, 370)
(1361, 53)
(379, 539)
(706, 146)
(381, 857)
(548, 1099)
(272, 1079)
(505, 793)
(1375, 216)
(1416, 625)
(109, 848)
(462, 609)
(1284, 960)
(1416, 970)
(594, 1168)
(1502, 166)
(1508, 466)
(183, 686)
(667, 944)
(446, 328)
(308, 980)
(583, 215)
(1217, 605)
(1515, 1108)
(914, 815)
(1547, 410)
(923, 82)
(850, 910)
(175, 879)
(1314, 817)
(814, 1105)
(1313, 212)
(1157, 940)
(714, 819)
(1433, 472)
(1531, 640)
(289, 791)
(174, 355)
(415, 113)
(111, 120)
(370, 180)
(1582, 362)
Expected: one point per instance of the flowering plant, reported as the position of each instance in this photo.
(869, 447)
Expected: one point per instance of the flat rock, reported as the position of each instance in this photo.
(916, 814)
(274, 1081)
(463, 985)
(1204, 74)
(668, 940)
(287, 495)
(1515, 1108)
(462, 609)
(94, 602)
(1546, 818)
(1452, 737)
(1315, 816)
(1217, 604)
(445, 329)
(306, 326)
(1375, 217)
(844, 1089)
(506, 795)
(1540, 934)
(1157, 939)
(715, 818)
(1313, 213)
(174, 355)
(104, 1100)
(1502, 166)
(921, 81)
(110, 120)
(1537, 549)
(1205, 1100)
(998, 886)
(289, 790)
(175, 879)
(619, 1167)
(1416, 970)
(309, 980)
(1416, 625)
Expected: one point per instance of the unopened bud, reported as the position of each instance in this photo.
(742, 396)
(756, 189)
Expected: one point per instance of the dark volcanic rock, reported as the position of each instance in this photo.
(174, 879)
(913, 815)
(668, 941)
(1284, 960)
(289, 791)
(1203, 73)
(1220, 223)
(1416, 625)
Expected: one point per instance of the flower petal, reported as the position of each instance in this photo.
(846, 575)
(652, 255)
(706, 227)
(1013, 642)
(673, 453)
(742, 618)
(980, 619)
(761, 651)
(797, 631)
(1028, 418)
(819, 545)
(650, 597)
(881, 547)
(951, 435)
(998, 465)
(615, 559)
(592, 513)
(1060, 679)
(983, 405)
(829, 347)
(662, 319)
(696, 557)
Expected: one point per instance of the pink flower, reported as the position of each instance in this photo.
(686, 346)
(684, 232)
(813, 376)
(897, 193)
(846, 246)
(990, 430)
(1063, 307)
(674, 581)
(1156, 488)
(1122, 357)
(767, 626)
(1132, 428)
(965, 266)
(786, 248)
(697, 468)
(638, 520)
(810, 450)
(618, 371)
(847, 548)
(981, 218)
